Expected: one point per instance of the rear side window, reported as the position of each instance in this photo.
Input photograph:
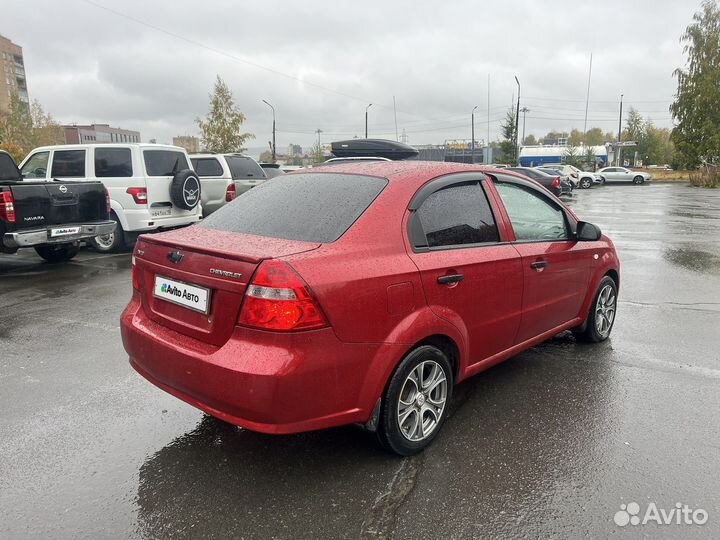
(207, 166)
(458, 215)
(306, 207)
(113, 163)
(242, 167)
(68, 164)
(164, 162)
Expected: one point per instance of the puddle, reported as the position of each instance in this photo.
(694, 259)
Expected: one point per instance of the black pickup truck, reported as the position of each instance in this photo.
(51, 217)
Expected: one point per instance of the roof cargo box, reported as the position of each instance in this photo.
(373, 148)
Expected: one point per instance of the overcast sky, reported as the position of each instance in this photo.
(150, 65)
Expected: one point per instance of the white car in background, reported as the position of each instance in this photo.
(581, 179)
(224, 177)
(621, 174)
(151, 186)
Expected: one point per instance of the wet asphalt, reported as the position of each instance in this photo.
(549, 444)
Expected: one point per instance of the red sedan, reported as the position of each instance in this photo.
(362, 293)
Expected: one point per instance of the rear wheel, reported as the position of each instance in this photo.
(58, 252)
(638, 180)
(416, 401)
(111, 242)
(602, 312)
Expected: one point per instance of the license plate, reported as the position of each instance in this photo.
(183, 294)
(64, 231)
(161, 212)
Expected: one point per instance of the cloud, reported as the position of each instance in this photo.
(152, 67)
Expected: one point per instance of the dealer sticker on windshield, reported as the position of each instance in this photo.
(182, 294)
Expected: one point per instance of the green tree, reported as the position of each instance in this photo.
(24, 127)
(575, 138)
(573, 157)
(530, 140)
(595, 137)
(317, 154)
(507, 145)
(696, 108)
(221, 129)
(552, 137)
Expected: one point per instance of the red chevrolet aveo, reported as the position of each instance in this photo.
(362, 293)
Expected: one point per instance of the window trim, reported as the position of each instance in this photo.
(570, 222)
(416, 233)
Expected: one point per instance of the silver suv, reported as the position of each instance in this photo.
(224, 177)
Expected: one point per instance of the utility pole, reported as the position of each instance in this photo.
(524, 110)
(366, 118)
(517, 121)
(487, 155)
(320, 152)
(273, 142)
(619, 133)
(395, 112)
(472, 137)
(587, 103)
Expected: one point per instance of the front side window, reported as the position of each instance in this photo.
(457, 215)
(207, 166)
(533, 216)
(113, 163)
(164, 162)
(68, 164)
(36, 166)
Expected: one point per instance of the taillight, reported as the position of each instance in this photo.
(139, 194)
(135, 275)
(230, 192)
(278, 299)
(107, 202)
(574, 175)
(555, 182)
(7, 207)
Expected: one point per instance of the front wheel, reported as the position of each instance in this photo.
(638, 180)
(416, 401)
(57, 253)
(601, 318)
(585, 183)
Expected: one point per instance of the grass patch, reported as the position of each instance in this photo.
(706, 178)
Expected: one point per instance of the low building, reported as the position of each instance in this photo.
(99, 133)
(532, 156)
(190, 143)
(12, 73)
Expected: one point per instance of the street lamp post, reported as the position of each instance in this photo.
(366, 118)
(472, 136)
(517, 122)
(619, 132)
(273, 141)
(524, 110)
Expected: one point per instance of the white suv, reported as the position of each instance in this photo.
(225, 176)
(151, 186)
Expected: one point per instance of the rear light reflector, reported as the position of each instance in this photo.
(230, 192)
(278, 299)
(555, 182)
(139, 194)
(135, 275)
(107, 202)
(7, 207)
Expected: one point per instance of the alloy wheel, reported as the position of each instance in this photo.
(605, 310)
(422, 401)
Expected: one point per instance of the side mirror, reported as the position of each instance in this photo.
(587, 232)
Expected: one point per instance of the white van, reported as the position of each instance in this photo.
(151, 186)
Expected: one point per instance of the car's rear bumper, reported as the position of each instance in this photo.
(263, 381)
(43, 236)
(143, 221)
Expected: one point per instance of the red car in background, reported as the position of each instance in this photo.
(362, 293)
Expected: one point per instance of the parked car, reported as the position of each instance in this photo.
(331, 297)
(225, 176)
(52, 217)
(621, 174)
(151, 186)
(271, 170)
(581, 179)
(555, 183)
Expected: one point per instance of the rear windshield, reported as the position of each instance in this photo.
(164, 162)
(244, 167)
(8, 169)
(307, 207)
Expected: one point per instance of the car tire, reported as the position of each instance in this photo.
(185, 189)
(585, 183)
(415, 403)
(600, 319)
(57, 253)
(602, 180)
(112, 242)
(638, 180)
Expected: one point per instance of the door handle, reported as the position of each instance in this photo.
(453, 278)
(539, 265)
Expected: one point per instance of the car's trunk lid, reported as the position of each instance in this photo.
(40, 203)
(220, 264)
